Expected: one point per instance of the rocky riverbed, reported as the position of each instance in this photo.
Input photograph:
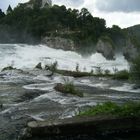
(29, 95)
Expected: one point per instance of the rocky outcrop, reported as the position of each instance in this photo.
(83, 125)
(37, 3)
(106, 49)
(59, 43)
(130, 52)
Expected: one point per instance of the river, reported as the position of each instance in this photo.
(29, 93)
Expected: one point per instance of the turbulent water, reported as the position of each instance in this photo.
(29, 93)
(27, 56)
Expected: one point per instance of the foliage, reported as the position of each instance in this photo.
(122, 75)
(68, 88)
(8, 68)
(1, 14)
(52, 67)
(109, 108)
(74, 73)
(75, 24)
(134, 34)
(135, 70)
(79, 25)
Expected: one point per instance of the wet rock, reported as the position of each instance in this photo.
(83, 125)
(68, 89)
(105, 47)
(130, 52)
(59, 43)
(39, 66)
(8, 68)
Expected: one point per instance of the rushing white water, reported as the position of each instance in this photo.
(27, 56)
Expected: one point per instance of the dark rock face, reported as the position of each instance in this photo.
(59, 43)
(130, 52)
(83, 126)
(106, 49)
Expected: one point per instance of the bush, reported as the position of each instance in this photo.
(135, 70)
(8, 68)
(122, 75)
(68, 88)
(109, 108)
(52, 67)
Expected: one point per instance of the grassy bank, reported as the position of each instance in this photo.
(109, 108)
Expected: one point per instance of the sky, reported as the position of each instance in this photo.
(124, 13)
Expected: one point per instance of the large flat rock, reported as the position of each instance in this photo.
(84, 125)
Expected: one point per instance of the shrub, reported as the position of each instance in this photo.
(68, 88)
(52, 67)
(99, 71)
(135, 70)
(8, 68)
(109, 108)
(122, 75)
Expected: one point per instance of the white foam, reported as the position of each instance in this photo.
(127, 88)
(43, 87)
(27, 56)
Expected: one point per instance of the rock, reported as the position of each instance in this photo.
(59, 43)
(39, 66)
(105, 47)
(130, 52)
(37, 3)
(83, 125)
(8, 68)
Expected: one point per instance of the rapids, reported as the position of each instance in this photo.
(27, 56)
(29, 94)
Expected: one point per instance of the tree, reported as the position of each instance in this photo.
(1, 14)
(9, 9)
(135, 70)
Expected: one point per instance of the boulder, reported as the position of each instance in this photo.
(83, 125)
(39, 66)
(59, 43)
(130, 52)
(106, 49)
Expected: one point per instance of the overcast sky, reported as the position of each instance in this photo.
(119, 12)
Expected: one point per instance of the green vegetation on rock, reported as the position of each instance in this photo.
(68, 88)
(110, 108)
(122, 75)
(135, 70)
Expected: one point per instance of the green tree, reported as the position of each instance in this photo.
(1, 14)
(135, 70)
(9, 9)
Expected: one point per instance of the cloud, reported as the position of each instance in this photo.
(118, 5)
(69, 3)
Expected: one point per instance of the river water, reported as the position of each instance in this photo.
(29, 93)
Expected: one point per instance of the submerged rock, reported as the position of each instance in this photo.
(39, 66)
(8, 68)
